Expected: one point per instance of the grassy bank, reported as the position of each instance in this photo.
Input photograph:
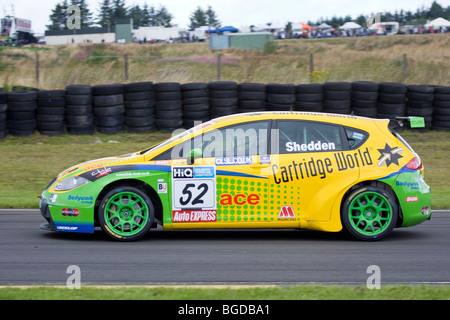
(286, 61)
(28, 164)
(297, 292)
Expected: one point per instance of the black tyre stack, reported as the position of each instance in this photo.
(51, 109)
(251, 97)
(337, 97)
(309, 97)
(139, 107)
(365, 98)
(419, 102)
(22, 112)
(280, 97)
(168, 106)
(391, 100)
(195, 103)
(109, 109)
(222, 98)
(79, 110)
(3, 115)
(441, 111)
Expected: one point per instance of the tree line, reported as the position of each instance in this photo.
(110, 11)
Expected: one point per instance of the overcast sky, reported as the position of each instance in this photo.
(232, 12)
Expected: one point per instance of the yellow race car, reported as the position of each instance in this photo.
(318, 171)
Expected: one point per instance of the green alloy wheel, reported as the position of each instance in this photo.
(126, 213)
(369, 213)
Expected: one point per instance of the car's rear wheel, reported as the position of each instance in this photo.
(126, 213)
(369, 213)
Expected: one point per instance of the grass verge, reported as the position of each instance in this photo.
(295, 292)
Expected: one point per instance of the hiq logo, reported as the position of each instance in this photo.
(181, 172)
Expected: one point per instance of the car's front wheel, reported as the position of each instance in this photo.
(126, 213)
(369, 213)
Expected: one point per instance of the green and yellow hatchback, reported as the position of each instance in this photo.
(319, 171)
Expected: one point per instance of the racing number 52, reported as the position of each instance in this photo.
(198, 199)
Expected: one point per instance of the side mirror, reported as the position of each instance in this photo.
(193, 154)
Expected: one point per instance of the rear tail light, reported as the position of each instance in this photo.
(415, 164)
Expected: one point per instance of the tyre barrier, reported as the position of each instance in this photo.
(142, 107)
(168, 106)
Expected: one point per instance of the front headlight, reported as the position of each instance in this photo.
(70, 183)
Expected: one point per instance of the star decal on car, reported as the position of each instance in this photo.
(389, 155)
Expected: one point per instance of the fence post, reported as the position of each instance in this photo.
(311, 66)
(219, 66)
(405, 68)
(37, 68)
(126, 66)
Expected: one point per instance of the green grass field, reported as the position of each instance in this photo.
(296, 292)
(28, 164)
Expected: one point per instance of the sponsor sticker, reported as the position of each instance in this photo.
(162, 187)
(412, 199)
(286, 212)
(234, 161)
(194, 216)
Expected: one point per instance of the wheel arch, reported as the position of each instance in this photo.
(151, 193)
(378, 184)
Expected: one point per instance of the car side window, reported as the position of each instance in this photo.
(247, 139)
(297, 136)
(355, 137)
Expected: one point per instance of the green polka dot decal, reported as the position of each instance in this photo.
(254, 200)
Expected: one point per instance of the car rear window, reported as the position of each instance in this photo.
(355, 137)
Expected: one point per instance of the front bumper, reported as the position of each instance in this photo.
(45, 212)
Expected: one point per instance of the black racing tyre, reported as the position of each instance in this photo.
(369, 104)
(24, 115)
(139, 104)
(21, 124)
(199, 100)
(87, 129)
(223, 94)
(194, 86)
(195, 114)
(441, 111)
(110, 130)
(78, 99)
(309, 88)
(51, 102)
(337, 86)
(365, 86)
(108, 100)
(308, 106)
(22, 105)
(18, 96)
(366, 112)
(280, 88)
(78, 89)
(50, 118)
(393, 87)
(442, 89)
(166, 86)
(279, 106)
(283, 98)
(78, 110)
(252, 87)
(109, 110)
(222, 85)
(138, 86)
(223, 102)
(3, 98)
(3, 107)
(168, 95)
(419, 104)
(195, 107)
(309, 97)
(364, 95)
(139, 121)
(144, 129)
(50, 126)
(108, 89)
(421, 89)
(395, 98)
(419, 96)
(391, 108)
(369, 213)
(51, 94)
(337, 95)
(168, 105)
(244, 110)
(442, 97)
(195, 94)
(3, 134)
(252, 104)
(110, 121)
(143, 112)
(140, 95)
(441, 104)
(51, 110)
(80, 120)
(168, 123)
(421, 112)
(251, 95)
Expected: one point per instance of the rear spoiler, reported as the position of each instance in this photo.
(414, 122)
